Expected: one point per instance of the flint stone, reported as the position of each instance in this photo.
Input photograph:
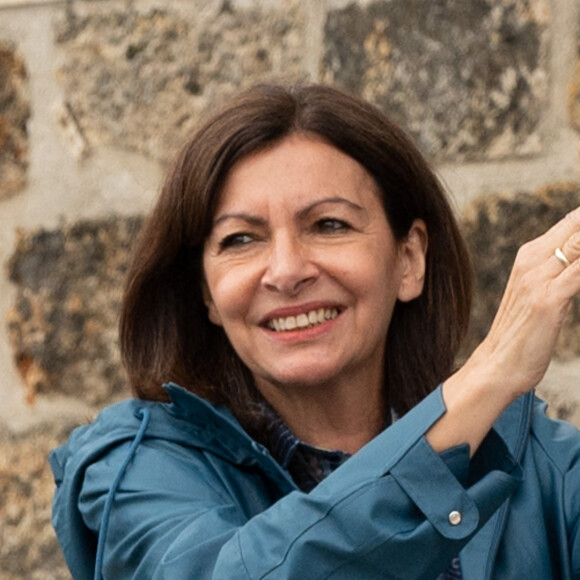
(63, 325)
(14, 114)
(574, 88)
(142, 81)
(468, 80)
(28, 544)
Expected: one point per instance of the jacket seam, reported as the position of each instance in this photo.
(373, 549)
(242, 557)
(364, 488)
(546, 454)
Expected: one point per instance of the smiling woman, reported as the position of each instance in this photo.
(302, 279)
(156, 336)
(310, 240)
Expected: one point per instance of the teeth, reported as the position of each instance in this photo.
(302, 321)
(305, 320)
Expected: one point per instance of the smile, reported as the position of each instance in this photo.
(305, 320)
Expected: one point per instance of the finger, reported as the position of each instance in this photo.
(567, 277)
(540, 251)
(566, 254)
(557, 235)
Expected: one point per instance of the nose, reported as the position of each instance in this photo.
(290, 267)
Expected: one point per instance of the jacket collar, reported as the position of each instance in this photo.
(213, 427)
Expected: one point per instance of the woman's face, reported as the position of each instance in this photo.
(302, 270)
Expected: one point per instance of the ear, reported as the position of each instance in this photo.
(413, 252)
(212, 311)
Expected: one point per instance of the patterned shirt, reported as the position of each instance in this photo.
(308, 466)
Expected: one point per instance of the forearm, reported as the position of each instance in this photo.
(474, 397)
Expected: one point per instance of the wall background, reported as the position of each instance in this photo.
(95, 98)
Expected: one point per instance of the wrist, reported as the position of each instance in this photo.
(474, 398)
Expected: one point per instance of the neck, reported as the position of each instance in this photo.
(330, 418)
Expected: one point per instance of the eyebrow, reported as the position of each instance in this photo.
(258, 221)
(336, 199)
(251, 219)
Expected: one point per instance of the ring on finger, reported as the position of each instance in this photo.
(562, 257)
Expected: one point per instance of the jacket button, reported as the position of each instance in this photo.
(455, 518)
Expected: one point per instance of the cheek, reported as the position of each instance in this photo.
(383, 278)
(370, 270)
(230, 294)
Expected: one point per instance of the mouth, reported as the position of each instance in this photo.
(303, 320)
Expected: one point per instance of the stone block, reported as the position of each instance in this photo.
(14, 114)
(574, 87)
(467, 79)
(141, 81)
(63, 324)
(574, 99)
(28, 545)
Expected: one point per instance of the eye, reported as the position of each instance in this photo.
(332, 225)
(236, 240)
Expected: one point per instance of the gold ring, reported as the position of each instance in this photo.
(562, 257)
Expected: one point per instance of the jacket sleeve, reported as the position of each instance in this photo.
(396, 509)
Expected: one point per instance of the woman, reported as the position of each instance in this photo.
(303, 280)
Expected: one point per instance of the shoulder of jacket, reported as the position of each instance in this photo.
(557, 441)
(187, 422)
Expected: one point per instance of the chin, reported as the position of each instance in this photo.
(303, 379)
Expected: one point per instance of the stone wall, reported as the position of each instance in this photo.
(96, 97)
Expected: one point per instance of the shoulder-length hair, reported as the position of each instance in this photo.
(165, 333)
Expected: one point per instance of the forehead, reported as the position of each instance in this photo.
(296, 171)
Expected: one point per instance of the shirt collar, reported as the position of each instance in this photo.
(307, 464)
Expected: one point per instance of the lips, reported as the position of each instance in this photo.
(303, 320)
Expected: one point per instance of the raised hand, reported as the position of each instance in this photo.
(515, 354)
(544, 279)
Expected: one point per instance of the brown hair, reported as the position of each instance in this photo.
(165, 333)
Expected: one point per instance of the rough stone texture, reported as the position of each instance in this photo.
(63, 325)
(14, 113)
(495, 227)
(141, 81)
(28, 545)
(574, 88)
(559, 389)
(574, 99)
(467, 79)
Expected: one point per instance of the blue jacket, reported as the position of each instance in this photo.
(179, 491)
